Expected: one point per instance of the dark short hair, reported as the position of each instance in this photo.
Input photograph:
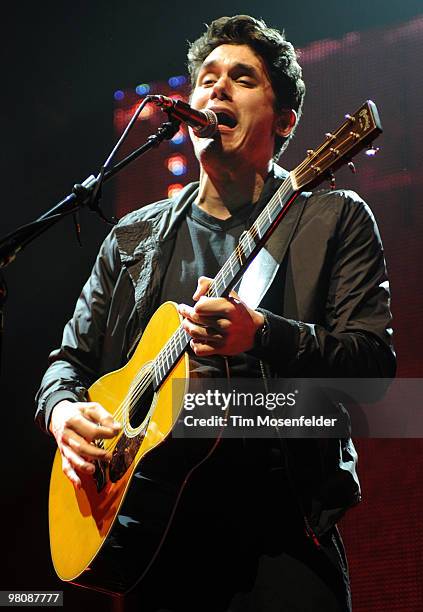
(277, 53)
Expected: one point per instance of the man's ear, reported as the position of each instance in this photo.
(285, 122)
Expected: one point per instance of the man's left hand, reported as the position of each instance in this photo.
(219, 326)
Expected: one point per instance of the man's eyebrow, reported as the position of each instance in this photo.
(247, 69)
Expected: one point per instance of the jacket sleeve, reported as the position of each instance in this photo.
(75, 365)
(355, 337)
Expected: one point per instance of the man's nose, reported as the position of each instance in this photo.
(221, 89)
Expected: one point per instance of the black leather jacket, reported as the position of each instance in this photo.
(336, 323)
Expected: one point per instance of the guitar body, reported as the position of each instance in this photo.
(82, 521)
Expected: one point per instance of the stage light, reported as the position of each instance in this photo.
(176, 96)
(118, 95)
(177, 81)
(179, 138)
(371, 151)
(177, 165)
(147, 112)
(173, 189)
(142, 89)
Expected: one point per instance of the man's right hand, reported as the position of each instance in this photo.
(75, 425)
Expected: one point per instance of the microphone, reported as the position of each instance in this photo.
(203, 122)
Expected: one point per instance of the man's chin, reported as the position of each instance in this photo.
(214, 149)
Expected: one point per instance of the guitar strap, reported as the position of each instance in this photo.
(261, 272)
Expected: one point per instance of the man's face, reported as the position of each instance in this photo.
(233, 81)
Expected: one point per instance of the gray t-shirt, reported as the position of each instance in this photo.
(202, 245)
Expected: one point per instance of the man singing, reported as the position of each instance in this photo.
(256, 529)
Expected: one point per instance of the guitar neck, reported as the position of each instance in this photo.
(250, 243)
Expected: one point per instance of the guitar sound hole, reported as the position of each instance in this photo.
(140, 401)
(139, 406)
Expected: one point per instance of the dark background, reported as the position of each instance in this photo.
(61, 64)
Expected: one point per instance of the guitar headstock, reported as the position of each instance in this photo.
(340, 146)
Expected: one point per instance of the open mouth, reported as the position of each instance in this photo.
(226, 119)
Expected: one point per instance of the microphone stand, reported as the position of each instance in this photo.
(85, 194)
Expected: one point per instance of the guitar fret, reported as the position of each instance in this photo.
(161, 364)
(170, 354)
(172, 348)
(240, 254)
(180, 338)
(162, 359)
(250, 242)
(268, 214)
(212, 291)
(157, 370)
(279, 200)
(243, 243)
(219, 286)
(226, 273)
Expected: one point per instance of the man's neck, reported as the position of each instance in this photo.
(223, 191)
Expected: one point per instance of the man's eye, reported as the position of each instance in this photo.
(246, 82)
(208, 81)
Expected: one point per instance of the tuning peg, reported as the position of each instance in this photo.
(352, 167)
(371, 151)
(350, 118)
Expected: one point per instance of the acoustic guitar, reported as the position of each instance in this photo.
(141, 396)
